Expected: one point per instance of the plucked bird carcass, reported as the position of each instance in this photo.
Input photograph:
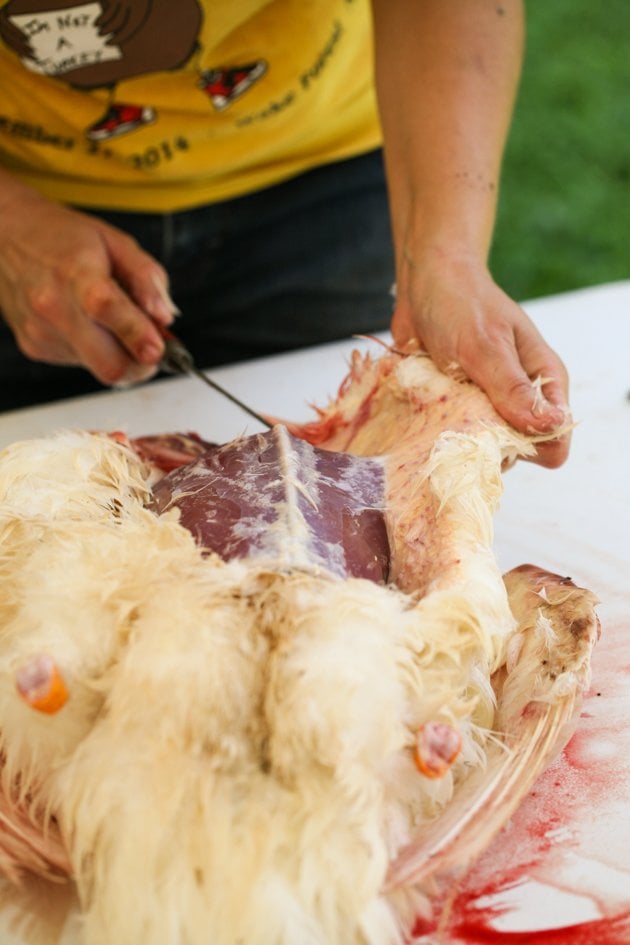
(275, 691)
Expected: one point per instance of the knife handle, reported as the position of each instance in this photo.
(176, 359)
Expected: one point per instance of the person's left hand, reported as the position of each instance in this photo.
(463, 319)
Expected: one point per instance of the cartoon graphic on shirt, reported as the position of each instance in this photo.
(118, 120)
(225, 85)
(99, 43)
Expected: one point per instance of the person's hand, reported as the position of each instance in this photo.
(465, 321)
(77, 291)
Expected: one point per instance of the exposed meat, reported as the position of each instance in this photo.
(256, 746)
(285, 504)
(441, 441)
(170, 451)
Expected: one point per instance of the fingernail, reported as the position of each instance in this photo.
(150, 353)
(556, 411)
(562, 412)
(551, 416)
(553, 413)
(135, 374)
(162, 306)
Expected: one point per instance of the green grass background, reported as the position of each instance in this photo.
(563, 218)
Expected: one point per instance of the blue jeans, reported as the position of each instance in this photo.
(301, 263)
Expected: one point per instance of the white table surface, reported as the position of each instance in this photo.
(564, 860)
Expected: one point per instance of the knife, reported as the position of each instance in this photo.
(177, 359)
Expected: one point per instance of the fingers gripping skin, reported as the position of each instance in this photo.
(466, 322)
(77, 291)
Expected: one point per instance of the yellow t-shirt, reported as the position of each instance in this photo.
(168, 104)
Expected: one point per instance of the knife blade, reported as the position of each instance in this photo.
(177, 359)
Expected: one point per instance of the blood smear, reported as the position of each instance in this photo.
(570, 838)
(607, 931)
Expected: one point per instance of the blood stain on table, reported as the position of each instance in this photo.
(571, 817)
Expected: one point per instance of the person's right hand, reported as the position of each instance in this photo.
(77, 291)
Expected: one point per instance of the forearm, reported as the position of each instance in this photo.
(447, 73)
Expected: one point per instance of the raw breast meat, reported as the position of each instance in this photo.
(263, 692)
(262, 498)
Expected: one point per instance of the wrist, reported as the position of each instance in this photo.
(457, 233)
(435, 258)
(13, 193)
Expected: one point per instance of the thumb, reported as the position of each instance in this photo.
(402, 327)
(530, 406)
